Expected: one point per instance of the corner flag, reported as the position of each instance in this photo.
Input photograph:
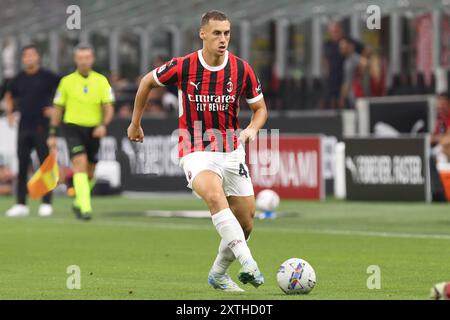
(45, 179)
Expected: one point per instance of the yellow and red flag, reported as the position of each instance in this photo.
(45, 179)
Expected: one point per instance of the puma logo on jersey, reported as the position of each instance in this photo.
(258, 89)
(195, 84)
(162, 68)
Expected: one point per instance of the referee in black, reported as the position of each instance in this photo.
(31, 92)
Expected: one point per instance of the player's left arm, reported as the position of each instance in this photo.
(255, 100)
(257, 122)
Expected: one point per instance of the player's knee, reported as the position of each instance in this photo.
(214, 198)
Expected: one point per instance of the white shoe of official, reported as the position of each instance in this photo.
(17, 211)
(45, 210)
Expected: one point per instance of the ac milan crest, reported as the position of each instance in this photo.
(229, 86)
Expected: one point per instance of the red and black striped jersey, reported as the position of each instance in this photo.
(209, 99)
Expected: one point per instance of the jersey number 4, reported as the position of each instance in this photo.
(242, 171)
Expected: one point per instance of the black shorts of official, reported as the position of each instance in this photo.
(80, 141)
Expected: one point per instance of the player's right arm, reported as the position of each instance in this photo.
(166, 74)
(55, 121)
(59, 103)
(135, 132)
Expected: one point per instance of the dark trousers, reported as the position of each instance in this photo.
(28, 140)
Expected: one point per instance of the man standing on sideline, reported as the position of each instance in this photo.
(334, 63)
(85, 97)
(32, 90)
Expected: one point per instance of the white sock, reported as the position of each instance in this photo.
(232, 234)
(224, 259)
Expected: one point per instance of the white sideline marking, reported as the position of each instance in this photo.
(381, 234)
(187, 226)
(180, 214)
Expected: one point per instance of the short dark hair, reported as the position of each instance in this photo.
(213, 15)
(84, 46)
(30, 46)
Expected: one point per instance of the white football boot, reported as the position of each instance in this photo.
(18, 211)
(250, 273)
(223, 282)
(45, 210)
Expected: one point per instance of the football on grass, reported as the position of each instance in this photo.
(441, 291)
(296, 276)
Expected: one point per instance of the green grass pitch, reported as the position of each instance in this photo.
(124, 254)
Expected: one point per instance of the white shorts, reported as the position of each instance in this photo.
(230, 167)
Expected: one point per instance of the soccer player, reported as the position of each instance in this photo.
(210, 83)
(33, 90)
(85, 98)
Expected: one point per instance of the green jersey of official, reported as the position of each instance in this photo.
(83, 98)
